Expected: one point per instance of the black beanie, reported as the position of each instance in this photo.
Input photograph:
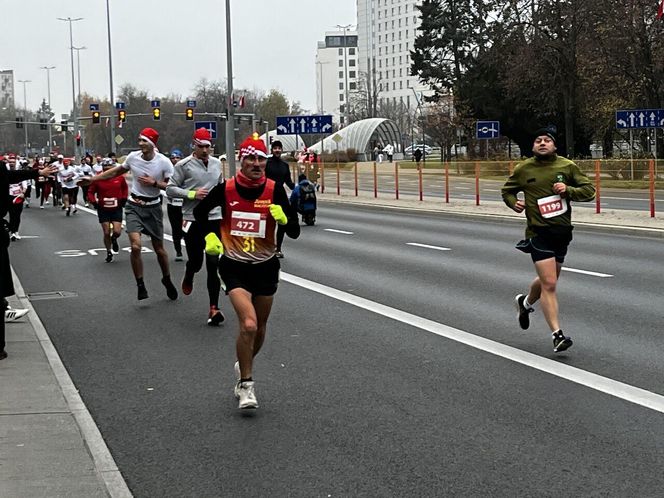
(550, 131)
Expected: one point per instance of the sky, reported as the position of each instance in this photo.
(166, 46)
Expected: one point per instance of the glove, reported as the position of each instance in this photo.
(278, 214)
(213, 245)
(191, 195)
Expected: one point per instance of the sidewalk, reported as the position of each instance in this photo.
(626, 220)
(49, 444)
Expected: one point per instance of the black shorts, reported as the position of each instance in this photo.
(547, 244)
(260, 279)
(106, 216)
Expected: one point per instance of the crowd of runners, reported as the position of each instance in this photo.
(235, 226)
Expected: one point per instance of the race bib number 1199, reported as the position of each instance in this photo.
(551, 206)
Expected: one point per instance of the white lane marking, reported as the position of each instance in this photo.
(426, 246)
(587, 272)
(597, 382)
(338, 231)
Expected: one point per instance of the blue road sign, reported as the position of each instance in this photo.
(211, 126)
(94, 107)
(119, 105)
(639, 118)
(191, 103)
(487, 129)
(304, 125)
(154, 103)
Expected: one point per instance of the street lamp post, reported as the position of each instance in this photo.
(25, 114)
(48, 89)
(110, 75)
(78, 77)
(230, 121)
(320, 70)
(346, 106)
(73, 89)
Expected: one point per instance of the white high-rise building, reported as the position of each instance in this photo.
(6, 89)
(336, 73)
(386, 32)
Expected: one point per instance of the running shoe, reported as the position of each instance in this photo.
(109, 256)
(3, 354)
(41, 207)
(142, 292)
(178, 257)
(238, 376)
(12, 314)
(247, 395)
(279, 254)
(75, 210)
(114, 244)
(87, 205)
(171, 291)
(522, 313)
(12, 237)
(215, 317)
(187, 283)
(560, 342)
(68, 211)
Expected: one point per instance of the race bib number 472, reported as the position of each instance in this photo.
(551, 206)
(245, 224)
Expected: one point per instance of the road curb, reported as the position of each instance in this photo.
(105, 466)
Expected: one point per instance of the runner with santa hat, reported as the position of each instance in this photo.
(252, 206)
(192, 179)
(150, 173)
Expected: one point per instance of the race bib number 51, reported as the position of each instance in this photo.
(551, 206)
(245, 224)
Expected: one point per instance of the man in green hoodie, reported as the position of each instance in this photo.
(548, 182)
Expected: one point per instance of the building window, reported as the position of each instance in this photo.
(341, 97)
(401, 85)
(351, 51)
(341, 63)
(342, 109)
(341, 86)
(341, 51)
(352, 86)
(407, 99)
(341, 74)
(351, 74)
(351, 62)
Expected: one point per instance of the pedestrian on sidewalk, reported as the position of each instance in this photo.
(8, 177)
(193, 177)
(549, 183)
(150, 173)
(252, 205)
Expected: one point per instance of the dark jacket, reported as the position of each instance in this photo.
(7, 177)
(278, 170)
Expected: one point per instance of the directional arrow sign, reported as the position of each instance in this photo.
(211, 126)
(304, 125)
(487, 129)
(639, 118)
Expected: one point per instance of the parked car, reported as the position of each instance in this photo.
(408, 151)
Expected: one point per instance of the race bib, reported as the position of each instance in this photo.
(15, 190)
(110, 202)
(551, 206)
(247, 224)
(177, 202)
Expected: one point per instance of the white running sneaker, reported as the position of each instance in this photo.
(238, 376)
(17, 236)
(12, 314)
(247, 396)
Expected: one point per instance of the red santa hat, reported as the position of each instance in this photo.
(149, 135)
(202, 136)
(253, 146)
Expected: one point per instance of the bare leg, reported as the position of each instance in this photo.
(252, 316)
(544, 288)
(162, 256)
(136, 261)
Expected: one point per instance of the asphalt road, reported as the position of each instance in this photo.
(433, 186)
(367, 384)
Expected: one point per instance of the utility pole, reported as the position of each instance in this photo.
(25, 114)
(230, 121)
(73, 89)
(110, 76)
(48, 89)
(78, 99)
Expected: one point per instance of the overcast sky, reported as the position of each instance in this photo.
(166, 46)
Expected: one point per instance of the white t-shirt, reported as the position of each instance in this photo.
(97, 168)
(67, 177)
(85, 170)
(159, 168)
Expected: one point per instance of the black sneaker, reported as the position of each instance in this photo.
(3, 354)
(522, 313)
(114, 244)
(109, 256)
(216, 317)
(560, 342)
(171, 291)
(142, 292)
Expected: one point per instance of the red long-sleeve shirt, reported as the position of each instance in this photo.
(108, 194)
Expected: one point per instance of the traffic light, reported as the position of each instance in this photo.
(42, 124)
(19, 122)
(63, 125)
(122, 115)
(156, 114)
(96, 117)
(189, 113)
